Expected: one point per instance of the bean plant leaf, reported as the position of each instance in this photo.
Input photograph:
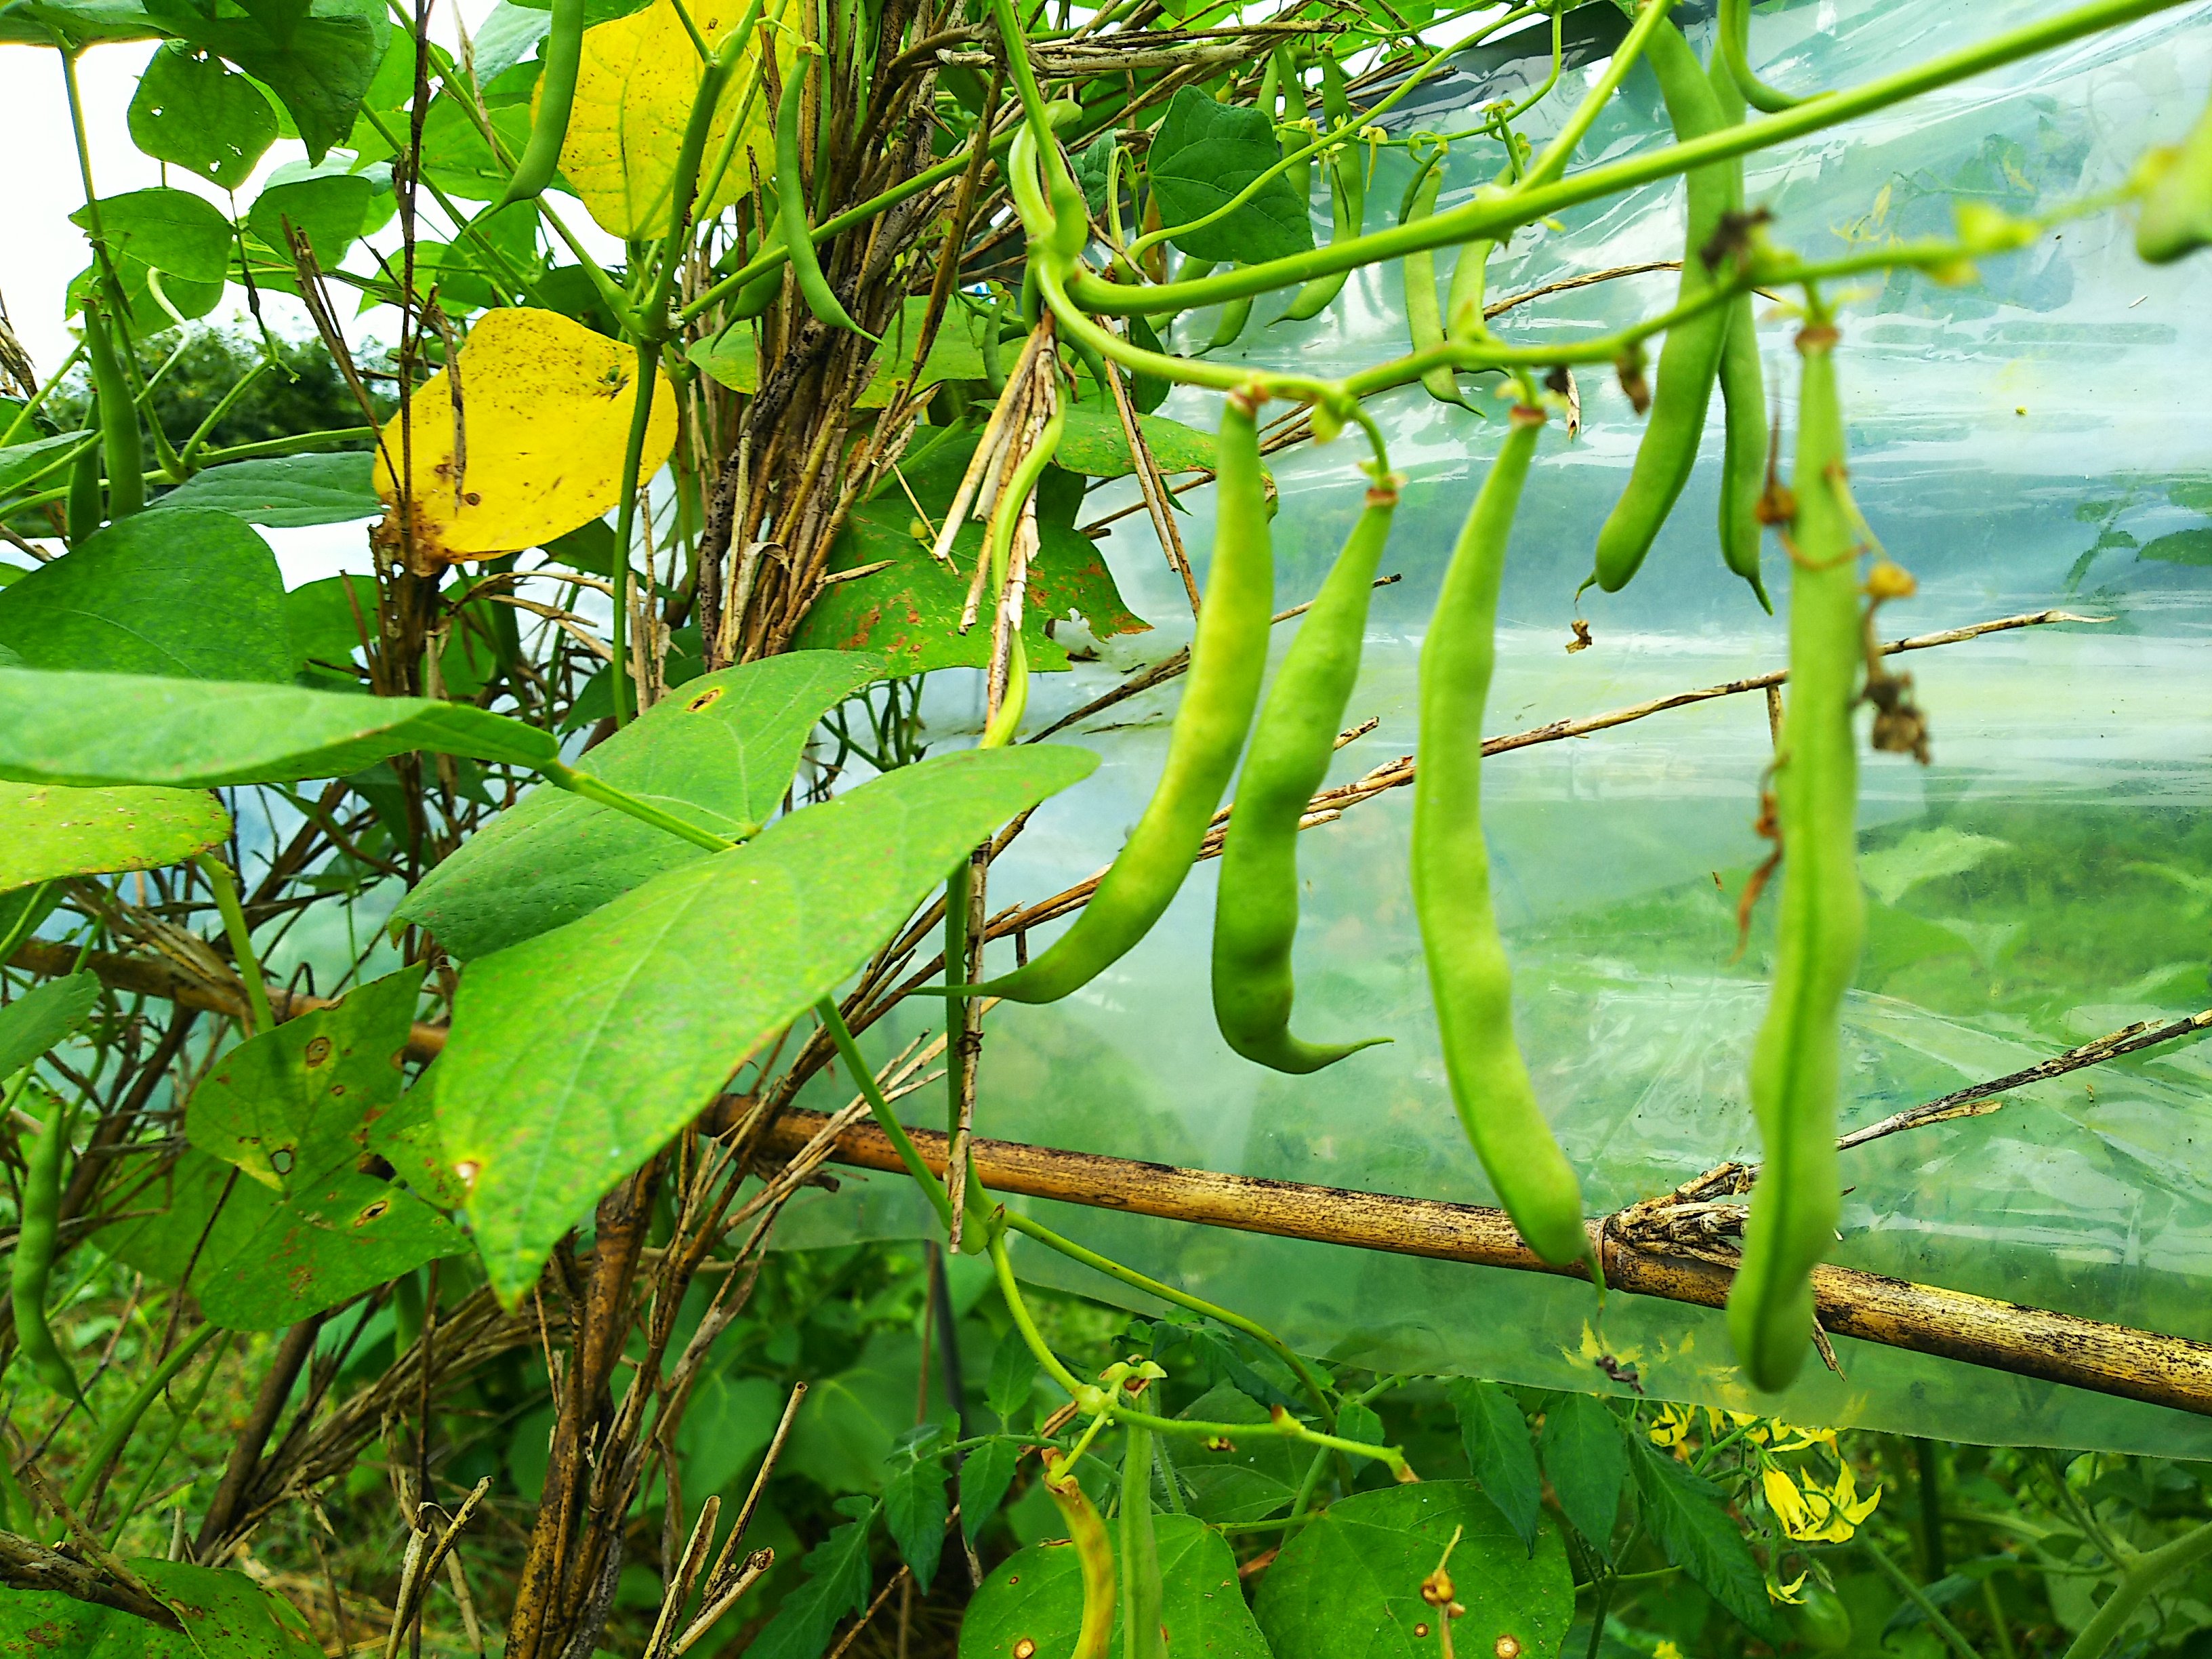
(635, 89)
(1013, 1376)
(1094, 443)
(330, 209)
(185, 594)
(36, 463)
(836, 1585)
(320, 74)
(194, 112)
(92, 730)
(1685, 1514)
(42, 1016)
(326, 623)
(1586, 1456)
(732, 357)
(1348, 1584)
(548, 404)
(1251, 1478)
(173, 230)
(1496, 1436)
(284, 492)
(720, 754)
(619, 1028)
(1032, 1602)
(48, 831)
(32, 23)
(1204, 155)
(985, 1474)
(222, 1612)
(406, 1137)
(2179, 547)
(915, 1510)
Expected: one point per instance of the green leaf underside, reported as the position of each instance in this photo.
(35, 461)
(1205, 155)
(92, 730)
(223, 1612)
(187, 595)
(42, 1016)
(718, 754)
(286, 492)
(1035, 1597)
(1496, 1436)
(47, 830)
(619, 1028)
(1347, 1585)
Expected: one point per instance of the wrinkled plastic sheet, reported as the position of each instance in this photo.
(2036, 440)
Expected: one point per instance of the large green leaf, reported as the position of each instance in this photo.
(1093, 443)
(1348, 1585)
(320, 73)
(1496, 1436)
(47, 830)
(189, 595)
(1686, 1513)
(1586, 1456)
(718, 754)
(1252, 1476)
(93, 729)
(191, 110)
(284, 492)
(35, 462)
(618, 1028)
(34, 22)
(1205, 155)
(330, 209)
(1032, 1602)
(223, 1613)
(43, 1016)
(174, 231)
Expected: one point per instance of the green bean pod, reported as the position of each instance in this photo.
(118, 417)
(556, 96)
(2176, 210)
(1229, 657)
(1230, 323)
(1140, 1553)
(1693, 350)
(1743, 401)
(1796, 1201)
(86, 502)
(1255, 914)
(32, 1265)
(1469, 978)
(1347, 214)
(1094, 1551)
(1423, 317)
(790, 210)
(1731, 55)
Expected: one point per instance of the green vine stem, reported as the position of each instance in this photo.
(598, 789)
(225, 888)
(2147, 1572)
(125, 1422)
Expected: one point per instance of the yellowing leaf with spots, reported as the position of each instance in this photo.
(545, 413)
(635, 88)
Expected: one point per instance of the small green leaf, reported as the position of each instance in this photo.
(1586, 1456)
(915, 1510)
(1348, 1584)
(1013, 1375)
(1032, 1602)
(1685, 1513)
(618, 1028)
(193, 112)
(718, 754)
(187, 595)
(2179, 547)
(1204, 155)
(330, 210)
(48, 831)
(36, 464)
(732, 357)
(1496, 1436)
(985, 1474)
(174, 231)
(325, 625)
(42, 1016)
(89, 730)
(836, 1584)
(285, 492)
(1094, 443)
(223, 1613)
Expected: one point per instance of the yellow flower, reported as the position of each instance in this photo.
(1812, 1511)
(1793, 1592)
(1672, 1426)
(1666, 1650)
(1788, 1437)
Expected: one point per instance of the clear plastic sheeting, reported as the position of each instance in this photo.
(2037, 440)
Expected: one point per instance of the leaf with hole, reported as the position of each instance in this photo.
(1348, 1584)
(1032, 1602)
(186, 595)
(720, 754)
(194, 112)
(48, 831)
(320, 73)
(92, 730)
(620, 1028)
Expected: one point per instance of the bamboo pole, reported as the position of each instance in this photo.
(2005, 1336)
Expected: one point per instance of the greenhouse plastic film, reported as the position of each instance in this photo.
(2040, 438)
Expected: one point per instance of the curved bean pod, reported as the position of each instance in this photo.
(1423, 317)
(1094, 1550)
(1255, 914)
(790, 210)
(1743, 401)
(1347, 214)
(1229, 657)
(119, 416)
(85, 500)
(32, 1262)
(556, 96)
(1469, 978)
(1006, 512)
(1796, 1202)
(1230, 323)
(1693, 350)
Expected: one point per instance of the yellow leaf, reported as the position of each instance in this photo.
(635, 88)
(546, 406)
